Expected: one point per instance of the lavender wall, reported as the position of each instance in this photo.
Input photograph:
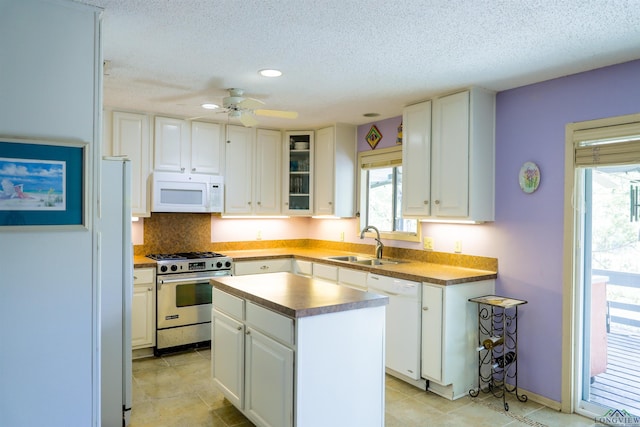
(528, 230)
(388, 128)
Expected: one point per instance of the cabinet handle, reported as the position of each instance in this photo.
(330, 203)
(248, 332)
(286, 203)
(181, 169)
(259, 203)
(239, 328)
(149, 289)
(426, 202)
(264, 267)
(135, 277)
(437, 202)
(425, 308)
(193, 169)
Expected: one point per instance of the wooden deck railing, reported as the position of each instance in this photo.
(620, 278)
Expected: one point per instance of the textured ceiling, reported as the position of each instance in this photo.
(344, 58)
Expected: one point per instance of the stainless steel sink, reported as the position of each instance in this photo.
(351, 259)
(376, 261)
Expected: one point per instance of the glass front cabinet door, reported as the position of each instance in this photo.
(298, 182)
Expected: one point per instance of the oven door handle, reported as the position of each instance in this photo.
(184, 281)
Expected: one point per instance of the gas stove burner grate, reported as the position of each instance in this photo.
(164, 257)
(183, 256)
(203, 254)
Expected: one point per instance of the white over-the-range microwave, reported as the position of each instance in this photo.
(180, 192)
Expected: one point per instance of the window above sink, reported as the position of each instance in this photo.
(380, 187)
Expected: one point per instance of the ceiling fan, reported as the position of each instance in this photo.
(245, 109)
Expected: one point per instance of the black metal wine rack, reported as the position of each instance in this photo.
(498, 347)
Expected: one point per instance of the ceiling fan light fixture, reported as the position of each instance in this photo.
(269, 72)
(210, 106)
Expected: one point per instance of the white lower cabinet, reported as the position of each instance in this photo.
(355, 279)
(143, 309)
(302, 268)
(269, 380)
(325, 272)
(432, 332)
(228, 365)
(276, 265)
(449, 336)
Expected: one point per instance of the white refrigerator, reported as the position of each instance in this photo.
(115, 272)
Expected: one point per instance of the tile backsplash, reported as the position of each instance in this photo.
(175, 232)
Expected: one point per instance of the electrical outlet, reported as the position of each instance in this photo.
(457, 247)
(342, 236)
(259, 235)
(428, 243)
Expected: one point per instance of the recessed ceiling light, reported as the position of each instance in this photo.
(209, 106)
(270, 73)
(371, 114)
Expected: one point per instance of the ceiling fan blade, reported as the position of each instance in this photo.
(250, 103)
(277, 113)
(248, 120)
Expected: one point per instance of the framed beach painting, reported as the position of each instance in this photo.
(42, 184)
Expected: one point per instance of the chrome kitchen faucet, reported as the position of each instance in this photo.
(379, 245)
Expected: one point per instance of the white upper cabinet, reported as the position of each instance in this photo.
(335, 171)
(268, 172)
(416, 160)
(457, 182)
(207, 148)
(171, 146)
(194, 148)
(253, 164)
(130, 138)
(239, 152)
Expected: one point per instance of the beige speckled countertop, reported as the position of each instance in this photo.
(140, 261)
(440, 274)
(297, 296)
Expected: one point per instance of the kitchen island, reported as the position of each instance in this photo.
(294, 351)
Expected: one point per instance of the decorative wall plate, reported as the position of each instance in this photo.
(529, 177)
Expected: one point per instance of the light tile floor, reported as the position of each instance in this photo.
(176, 391)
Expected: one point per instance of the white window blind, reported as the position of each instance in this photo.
(608, 145)
(373, 160)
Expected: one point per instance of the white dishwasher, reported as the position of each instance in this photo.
(402, 323)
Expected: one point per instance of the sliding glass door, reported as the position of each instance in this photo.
(607, 269)
(611, 289)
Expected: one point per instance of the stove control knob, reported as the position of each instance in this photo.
(227, 264)
(219, 264)
(163, 268)
(174, 267)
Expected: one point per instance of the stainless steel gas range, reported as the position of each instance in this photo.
(183, 302)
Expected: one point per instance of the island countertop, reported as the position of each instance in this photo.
(297, 296)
